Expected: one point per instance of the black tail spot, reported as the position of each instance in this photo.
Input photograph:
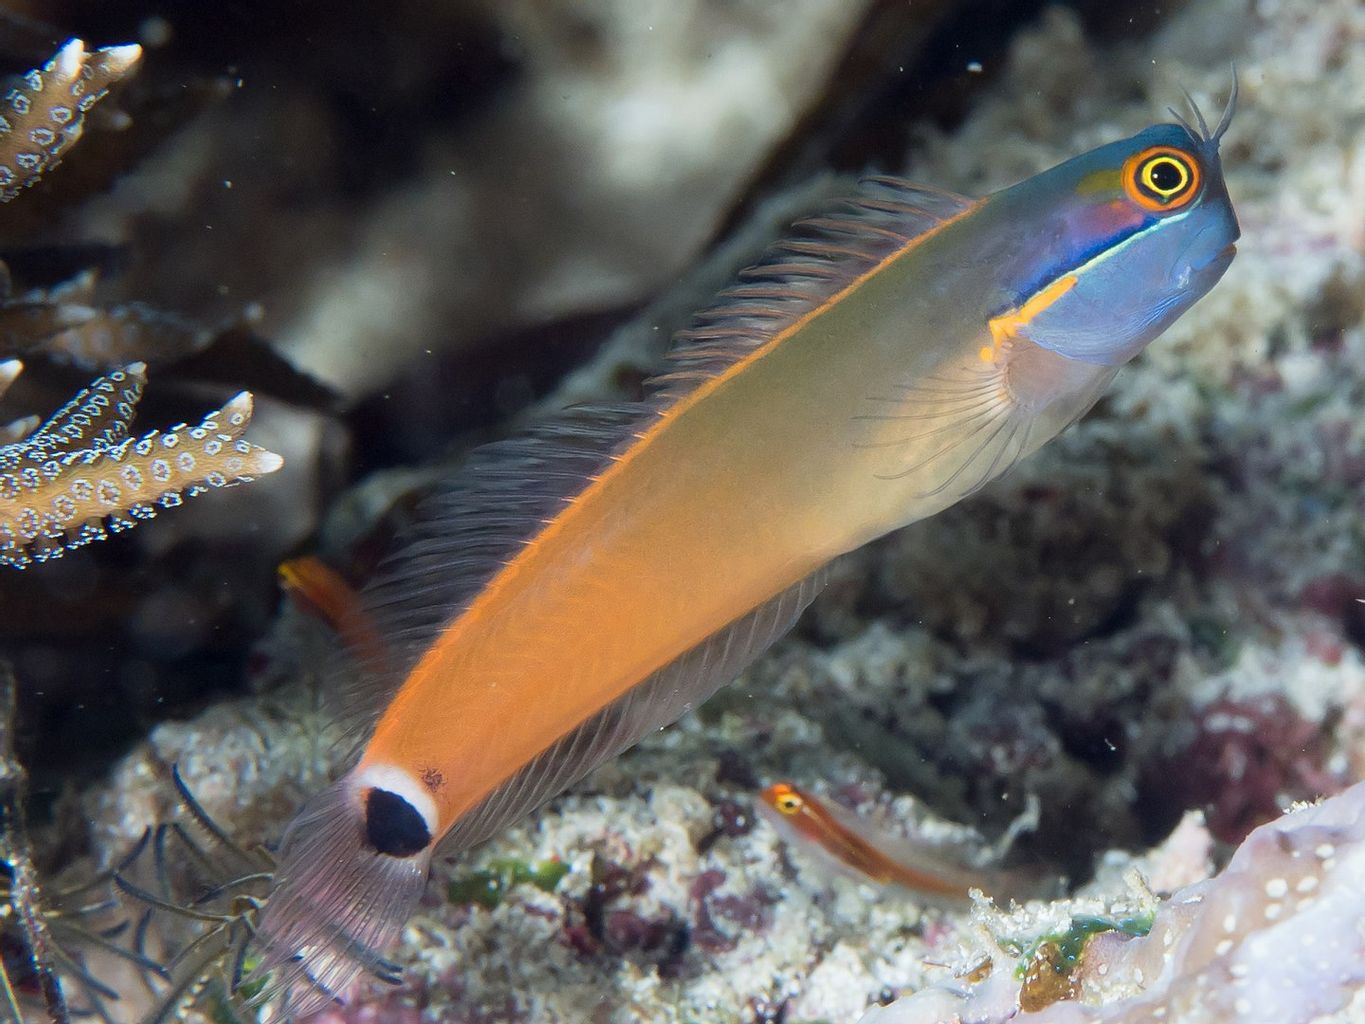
(393, 826)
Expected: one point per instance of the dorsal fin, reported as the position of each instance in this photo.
(467, 529)
(473, 524)
(822, 257)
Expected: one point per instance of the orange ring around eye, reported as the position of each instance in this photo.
(1142, 187)
(785, 798)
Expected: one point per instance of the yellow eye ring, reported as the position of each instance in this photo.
(1161, 178)
(789, 803)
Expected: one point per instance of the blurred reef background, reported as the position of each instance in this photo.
(407, 227)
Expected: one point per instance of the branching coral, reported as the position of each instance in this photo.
(45, 114)
(79, 476)
(64, 324)
(76, 478)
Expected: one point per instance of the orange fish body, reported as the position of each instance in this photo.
(575, 589)
(623, 583)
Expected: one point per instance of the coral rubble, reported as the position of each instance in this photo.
(1274, 938)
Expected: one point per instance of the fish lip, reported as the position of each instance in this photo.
(1223, 256)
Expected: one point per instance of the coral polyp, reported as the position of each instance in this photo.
(42, 116)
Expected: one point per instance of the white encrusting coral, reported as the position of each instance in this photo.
(1275, 938)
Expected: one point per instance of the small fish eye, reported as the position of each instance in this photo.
(789, 803)
(1161, 178)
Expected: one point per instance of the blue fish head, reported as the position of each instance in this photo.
(1140, 230)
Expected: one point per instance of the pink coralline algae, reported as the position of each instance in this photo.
(1249, 759)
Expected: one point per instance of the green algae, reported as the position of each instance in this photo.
(488, 887)
(237, 1008)
(1047, 963)
(1069, 943)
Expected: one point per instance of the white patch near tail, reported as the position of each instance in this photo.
(338, 904)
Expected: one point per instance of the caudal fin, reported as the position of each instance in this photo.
(338, 903)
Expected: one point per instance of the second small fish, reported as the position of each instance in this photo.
(850, 845)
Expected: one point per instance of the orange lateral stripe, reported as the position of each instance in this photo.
(323, 592)
(813, 820)
(1008, 325)
(667, 415)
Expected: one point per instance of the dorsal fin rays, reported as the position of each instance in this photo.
(468, 528)
(824, 255)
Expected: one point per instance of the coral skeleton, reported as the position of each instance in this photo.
(65, 325)
(79, 476)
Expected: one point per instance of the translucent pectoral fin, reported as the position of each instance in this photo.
(948, 435)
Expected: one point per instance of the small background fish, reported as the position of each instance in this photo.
(851, 845)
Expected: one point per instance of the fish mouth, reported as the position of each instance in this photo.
(1222, 258)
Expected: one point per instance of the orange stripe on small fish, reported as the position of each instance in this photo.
(853, 845)
(322, 592)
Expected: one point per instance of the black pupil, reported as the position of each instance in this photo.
(1167, 175)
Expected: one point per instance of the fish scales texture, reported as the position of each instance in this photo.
(573, 589)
